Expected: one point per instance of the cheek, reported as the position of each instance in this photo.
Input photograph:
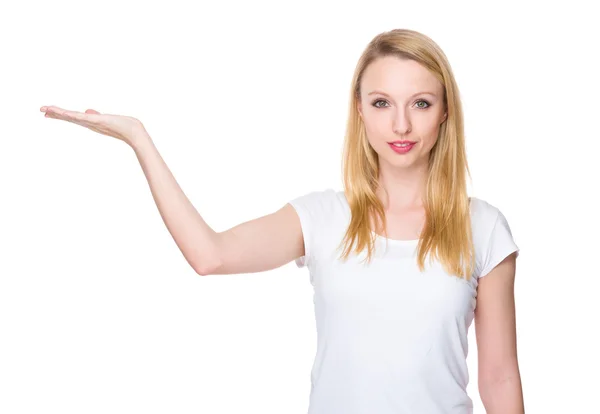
(376, 134)
(430, 139)
(428, 130)
(378, 126)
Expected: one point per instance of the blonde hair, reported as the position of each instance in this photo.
(447, 231)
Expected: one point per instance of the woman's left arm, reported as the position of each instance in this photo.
(499, 379)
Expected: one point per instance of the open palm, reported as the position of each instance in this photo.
(121, 127)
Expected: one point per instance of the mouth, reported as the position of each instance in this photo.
(402, 148)
(402, 144)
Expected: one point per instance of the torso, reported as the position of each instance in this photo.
(404, 225)
(391, 337)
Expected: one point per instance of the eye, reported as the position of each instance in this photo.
(375, 103)
(425, 102)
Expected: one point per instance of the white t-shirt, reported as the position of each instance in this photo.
(391, 340)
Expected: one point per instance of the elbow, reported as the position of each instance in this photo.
(204, 264)
(205, 270)
(210, 259)
(200, 271)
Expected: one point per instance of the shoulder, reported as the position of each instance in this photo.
(483, 218)
(321, 202)
(321, 196)
(482, 209)
(492, 235)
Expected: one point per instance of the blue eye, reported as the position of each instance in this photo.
(419, 101)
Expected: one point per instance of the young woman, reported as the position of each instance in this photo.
(401, 261)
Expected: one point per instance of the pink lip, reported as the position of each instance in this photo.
(400, 150)
(402, 142)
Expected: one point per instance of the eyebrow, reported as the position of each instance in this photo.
(412, 96)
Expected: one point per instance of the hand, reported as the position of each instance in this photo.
(124, 128)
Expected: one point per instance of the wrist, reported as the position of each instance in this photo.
(139, 138)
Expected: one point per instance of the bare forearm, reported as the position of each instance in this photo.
(194, 237)
(503, 396)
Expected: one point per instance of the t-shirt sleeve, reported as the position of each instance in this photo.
(499, 245)
(311, 209)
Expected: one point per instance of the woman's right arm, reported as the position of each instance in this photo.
(196, 239)
(257, 245)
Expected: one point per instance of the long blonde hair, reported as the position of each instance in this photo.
(447, 231)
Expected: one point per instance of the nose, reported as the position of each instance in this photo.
(401, 122)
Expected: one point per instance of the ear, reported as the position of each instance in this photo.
(359, 105)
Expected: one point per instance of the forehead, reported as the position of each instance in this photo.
(400, 76)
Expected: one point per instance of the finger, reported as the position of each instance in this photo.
(71, 116)
(47, 108)
(63, 114)
(51, 112)
(80, 118)
(51, 109)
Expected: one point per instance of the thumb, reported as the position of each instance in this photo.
(92, 111)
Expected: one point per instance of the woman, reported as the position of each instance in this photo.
(401, 261)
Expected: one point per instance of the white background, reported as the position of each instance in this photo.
(246, 102)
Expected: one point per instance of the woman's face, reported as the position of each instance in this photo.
(401, 100)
